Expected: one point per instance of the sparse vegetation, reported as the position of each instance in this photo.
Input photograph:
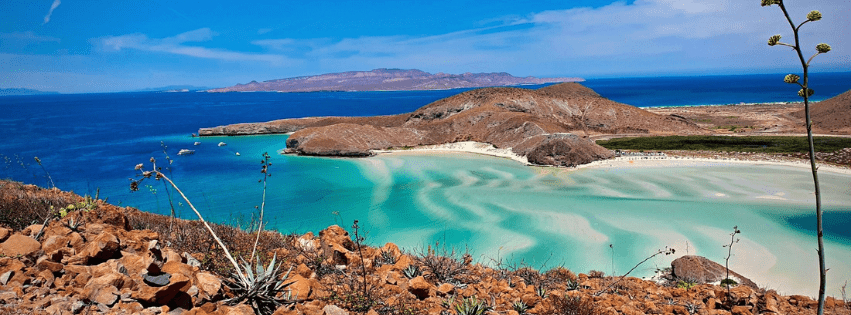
(471, 306)
(763, 144)
(727, 282)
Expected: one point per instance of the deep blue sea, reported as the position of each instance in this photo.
(92, 141)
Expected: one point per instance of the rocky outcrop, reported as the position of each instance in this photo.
(831, 116)
(549, 126)
(388, 80)
(702, 270)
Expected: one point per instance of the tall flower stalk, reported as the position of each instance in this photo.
(805, 93)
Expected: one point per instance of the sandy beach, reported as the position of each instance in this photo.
(619, 162)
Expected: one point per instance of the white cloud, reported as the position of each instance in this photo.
(176, 45)
(28, 36)
(53, 6)
(647, 35)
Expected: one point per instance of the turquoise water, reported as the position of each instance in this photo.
(499, 209)
(494, 207)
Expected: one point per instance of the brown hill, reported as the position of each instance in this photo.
(549, 126)
(831, 116)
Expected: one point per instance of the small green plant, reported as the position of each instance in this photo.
(728, 283)
(520, 307)
(541, 291)
(686, 284)
(385, 258)
(572, 284)
(448, 302)
(412, 271)
(471, 306)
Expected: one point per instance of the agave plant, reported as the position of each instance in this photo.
(260, 287)
(471, 306)
(520, 307)
(411, 271)
(572, 284)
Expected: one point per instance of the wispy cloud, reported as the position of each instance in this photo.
(28, 36)
(53, 6)
(177, 45)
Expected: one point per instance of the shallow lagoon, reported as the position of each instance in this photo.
(499, 209)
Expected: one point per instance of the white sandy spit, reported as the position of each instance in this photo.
(620, 162)
(466, 146)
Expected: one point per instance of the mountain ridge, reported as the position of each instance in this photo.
(389, 80)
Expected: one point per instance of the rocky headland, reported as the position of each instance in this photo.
(97, 258)
(548, 126)
(388, 80)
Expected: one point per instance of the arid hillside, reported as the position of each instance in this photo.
(549, 126)
(831, 116)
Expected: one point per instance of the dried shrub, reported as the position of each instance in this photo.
(596, 274)
(442, 265)
(23, 205)
(571, 305)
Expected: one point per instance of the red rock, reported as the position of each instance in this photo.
(208, 283)
(160, 295)
(54, 243)
(419, 287)
(741, 310)
(703, 270)
(32, 230)
(104, 246)
(445, 289)
(19, 245)
(4, 233)
(336, 235)
(302, 288)
(333, 310)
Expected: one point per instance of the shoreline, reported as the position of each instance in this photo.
(617, 162)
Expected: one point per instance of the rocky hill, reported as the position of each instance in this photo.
(831, 116)
(388, 80)
(549, 126)
(102, 259)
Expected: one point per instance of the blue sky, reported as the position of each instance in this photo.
(77, 46)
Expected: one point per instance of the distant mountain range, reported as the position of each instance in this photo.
(388, 80)
(19, 91)
(174, 88)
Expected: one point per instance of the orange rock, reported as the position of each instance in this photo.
(445, 289)
(4, 233)
(19, 245)
(208, 283)
(160, 295)
(741, 310)
(419, 287)
(301, 287)
(336, 235)
(54, 243)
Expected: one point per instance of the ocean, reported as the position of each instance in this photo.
(495, 208)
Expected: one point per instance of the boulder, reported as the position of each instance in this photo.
(160, 295)
(335, 235)
(19, 245)
(333, 310)
(4, 233)
(703, 270)
(419, 287)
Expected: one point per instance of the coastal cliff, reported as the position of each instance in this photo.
(549, 126)
(388, 80)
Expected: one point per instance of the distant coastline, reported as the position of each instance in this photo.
(389, 80)
(21, 91)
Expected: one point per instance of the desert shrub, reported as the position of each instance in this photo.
(596, 274)
(571, 305)
(23, 205)
(728, 283)
(442, 265)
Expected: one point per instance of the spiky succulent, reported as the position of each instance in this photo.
(572, 284)
(520, 307)
(814, 15)
(773, 40)
(412, 271)
(260, 287)
(801, 92)
(471, 306)
(791, 78)
(823, 48)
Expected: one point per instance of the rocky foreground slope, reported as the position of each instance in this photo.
(388, 80)
(549, 125)
(109, 260)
